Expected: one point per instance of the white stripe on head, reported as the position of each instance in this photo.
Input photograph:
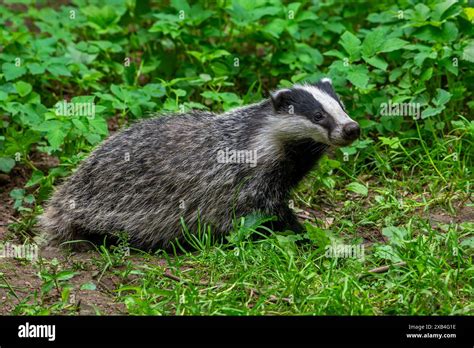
(277, 92)
(330, 105)
(326, 79)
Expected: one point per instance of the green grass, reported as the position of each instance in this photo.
(254, 272)
(284, 275)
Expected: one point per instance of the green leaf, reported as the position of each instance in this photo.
(17, 194)
(317, 235)
(65, 275)
(468, 243)
(88, 286)
(55, 138)
(449, 32)
(393, 44)
(468, 52)
(36, 69)
(430, 111)
(99, 125)
(12, 71)
(35, 179)
(23, 88)
(79, 124)
(29, 199)
(374, 41)
(358, 78)
(442, 97)
(358, 188)
(387, 252)
(440, 8)
(275, 28)
(351, 44)
(377, 62)
(58, 70)
(426, 75)
(6, 164)
(396, 235)
(80, 57)
(393, 143)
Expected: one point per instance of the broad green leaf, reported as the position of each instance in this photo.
(12, 71)
(449, 32)
(6, 164)
(377, 62)
(99, 125)
(469, 11)
(23, 88)
(275, 28)
(393, 143)
(88, 286)
(58, 70)
(65, 275)
(396, 235)
(35, 179)
(374, 42)
(317, 235)
(358, 78)
(468, 243)
(17, 193)
(181, 5)
(431, 111)
(426, 75)
(387, 252)
(55, 138)
(36, 69)
(393, 44)
(29, 199)
(351, 44)
(442, 97)
(358, 188)
(468, 52)
(440, 8)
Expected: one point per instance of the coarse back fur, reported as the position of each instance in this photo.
(144, 179)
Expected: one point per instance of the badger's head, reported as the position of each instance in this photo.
(313, 111)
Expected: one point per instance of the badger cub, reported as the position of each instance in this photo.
(200, 167)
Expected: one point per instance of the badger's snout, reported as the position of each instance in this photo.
(344, 134)
(351, 131)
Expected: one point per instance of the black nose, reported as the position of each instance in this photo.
(351, 131)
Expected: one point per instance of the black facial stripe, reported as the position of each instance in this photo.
(328, 123)
(301, 102)
(297, 101)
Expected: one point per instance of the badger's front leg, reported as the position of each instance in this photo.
(287, 221)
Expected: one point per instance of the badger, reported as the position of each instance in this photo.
(174, 172)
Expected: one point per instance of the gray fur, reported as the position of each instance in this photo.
(172, 172)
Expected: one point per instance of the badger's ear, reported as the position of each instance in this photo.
(281, 100)
(326, 80)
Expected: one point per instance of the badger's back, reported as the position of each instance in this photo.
(144, 179)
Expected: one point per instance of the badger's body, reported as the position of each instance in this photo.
(143, 180)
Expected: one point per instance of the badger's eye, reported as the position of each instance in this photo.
(318, 116)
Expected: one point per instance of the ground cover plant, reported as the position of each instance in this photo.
(389, 220)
